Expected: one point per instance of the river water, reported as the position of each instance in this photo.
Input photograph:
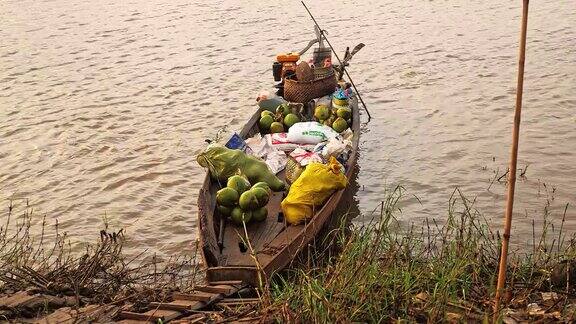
(104, 104)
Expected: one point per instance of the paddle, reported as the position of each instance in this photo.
(348, 56)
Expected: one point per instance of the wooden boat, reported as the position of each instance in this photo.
(274, 243)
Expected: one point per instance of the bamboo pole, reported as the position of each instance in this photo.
(513, 162)
(342, 66)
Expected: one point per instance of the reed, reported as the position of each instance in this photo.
(377, 272)
(102, 273)
(430, 273)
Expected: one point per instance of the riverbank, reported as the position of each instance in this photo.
(438, 272)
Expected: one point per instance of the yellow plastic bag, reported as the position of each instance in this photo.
(317, 183)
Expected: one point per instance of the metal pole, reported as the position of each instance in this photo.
(513, 162)
(339, 61)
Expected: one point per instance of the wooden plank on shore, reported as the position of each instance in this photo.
(218, 289)
(23, 300)
(17, 300)
(183, 304)
(62, 315)
(84, 314)
(253, 319)
(227, 282)
(178, 305)
(196, 296)
(236, 300)
(167, 315)
(141, 317)
(192, 319)
(239, 302)
(131, 321)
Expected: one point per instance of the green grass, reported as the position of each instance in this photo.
(432, 273)
(379, 272)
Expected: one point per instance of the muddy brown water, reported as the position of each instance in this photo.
(104, 104)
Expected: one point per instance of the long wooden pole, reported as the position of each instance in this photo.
(342, 66)
(513, 162)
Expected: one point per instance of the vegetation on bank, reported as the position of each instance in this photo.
(376, 273)
(431, 273)
(102, 274)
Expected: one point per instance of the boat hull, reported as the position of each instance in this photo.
(273, 243)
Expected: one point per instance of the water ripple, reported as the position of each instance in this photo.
(104, 104)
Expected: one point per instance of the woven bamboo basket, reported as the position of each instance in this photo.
(324, 83)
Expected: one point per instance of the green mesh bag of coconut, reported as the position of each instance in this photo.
(223, 163)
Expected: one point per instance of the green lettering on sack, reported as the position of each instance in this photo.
(314, 133)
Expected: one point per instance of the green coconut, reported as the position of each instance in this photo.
(265, 122)
(284, 109)
(345, 113)
(340, 102)
(238, 183)
(276, 127)
(322, 112)
(290, 120)
(223, 210)
(266, 113)
(248, 201)
(332, 119)
(260, 214)
(238, 216)
(263, 185)
(227, 197)
(340, 125)
(262, 196)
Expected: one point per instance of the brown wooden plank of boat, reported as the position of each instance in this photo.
(206, 224)
(206, 227)
(208, 221)
(258, 233)
(291, 241)
(275, 243)
(248, 275)
(294, 239)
